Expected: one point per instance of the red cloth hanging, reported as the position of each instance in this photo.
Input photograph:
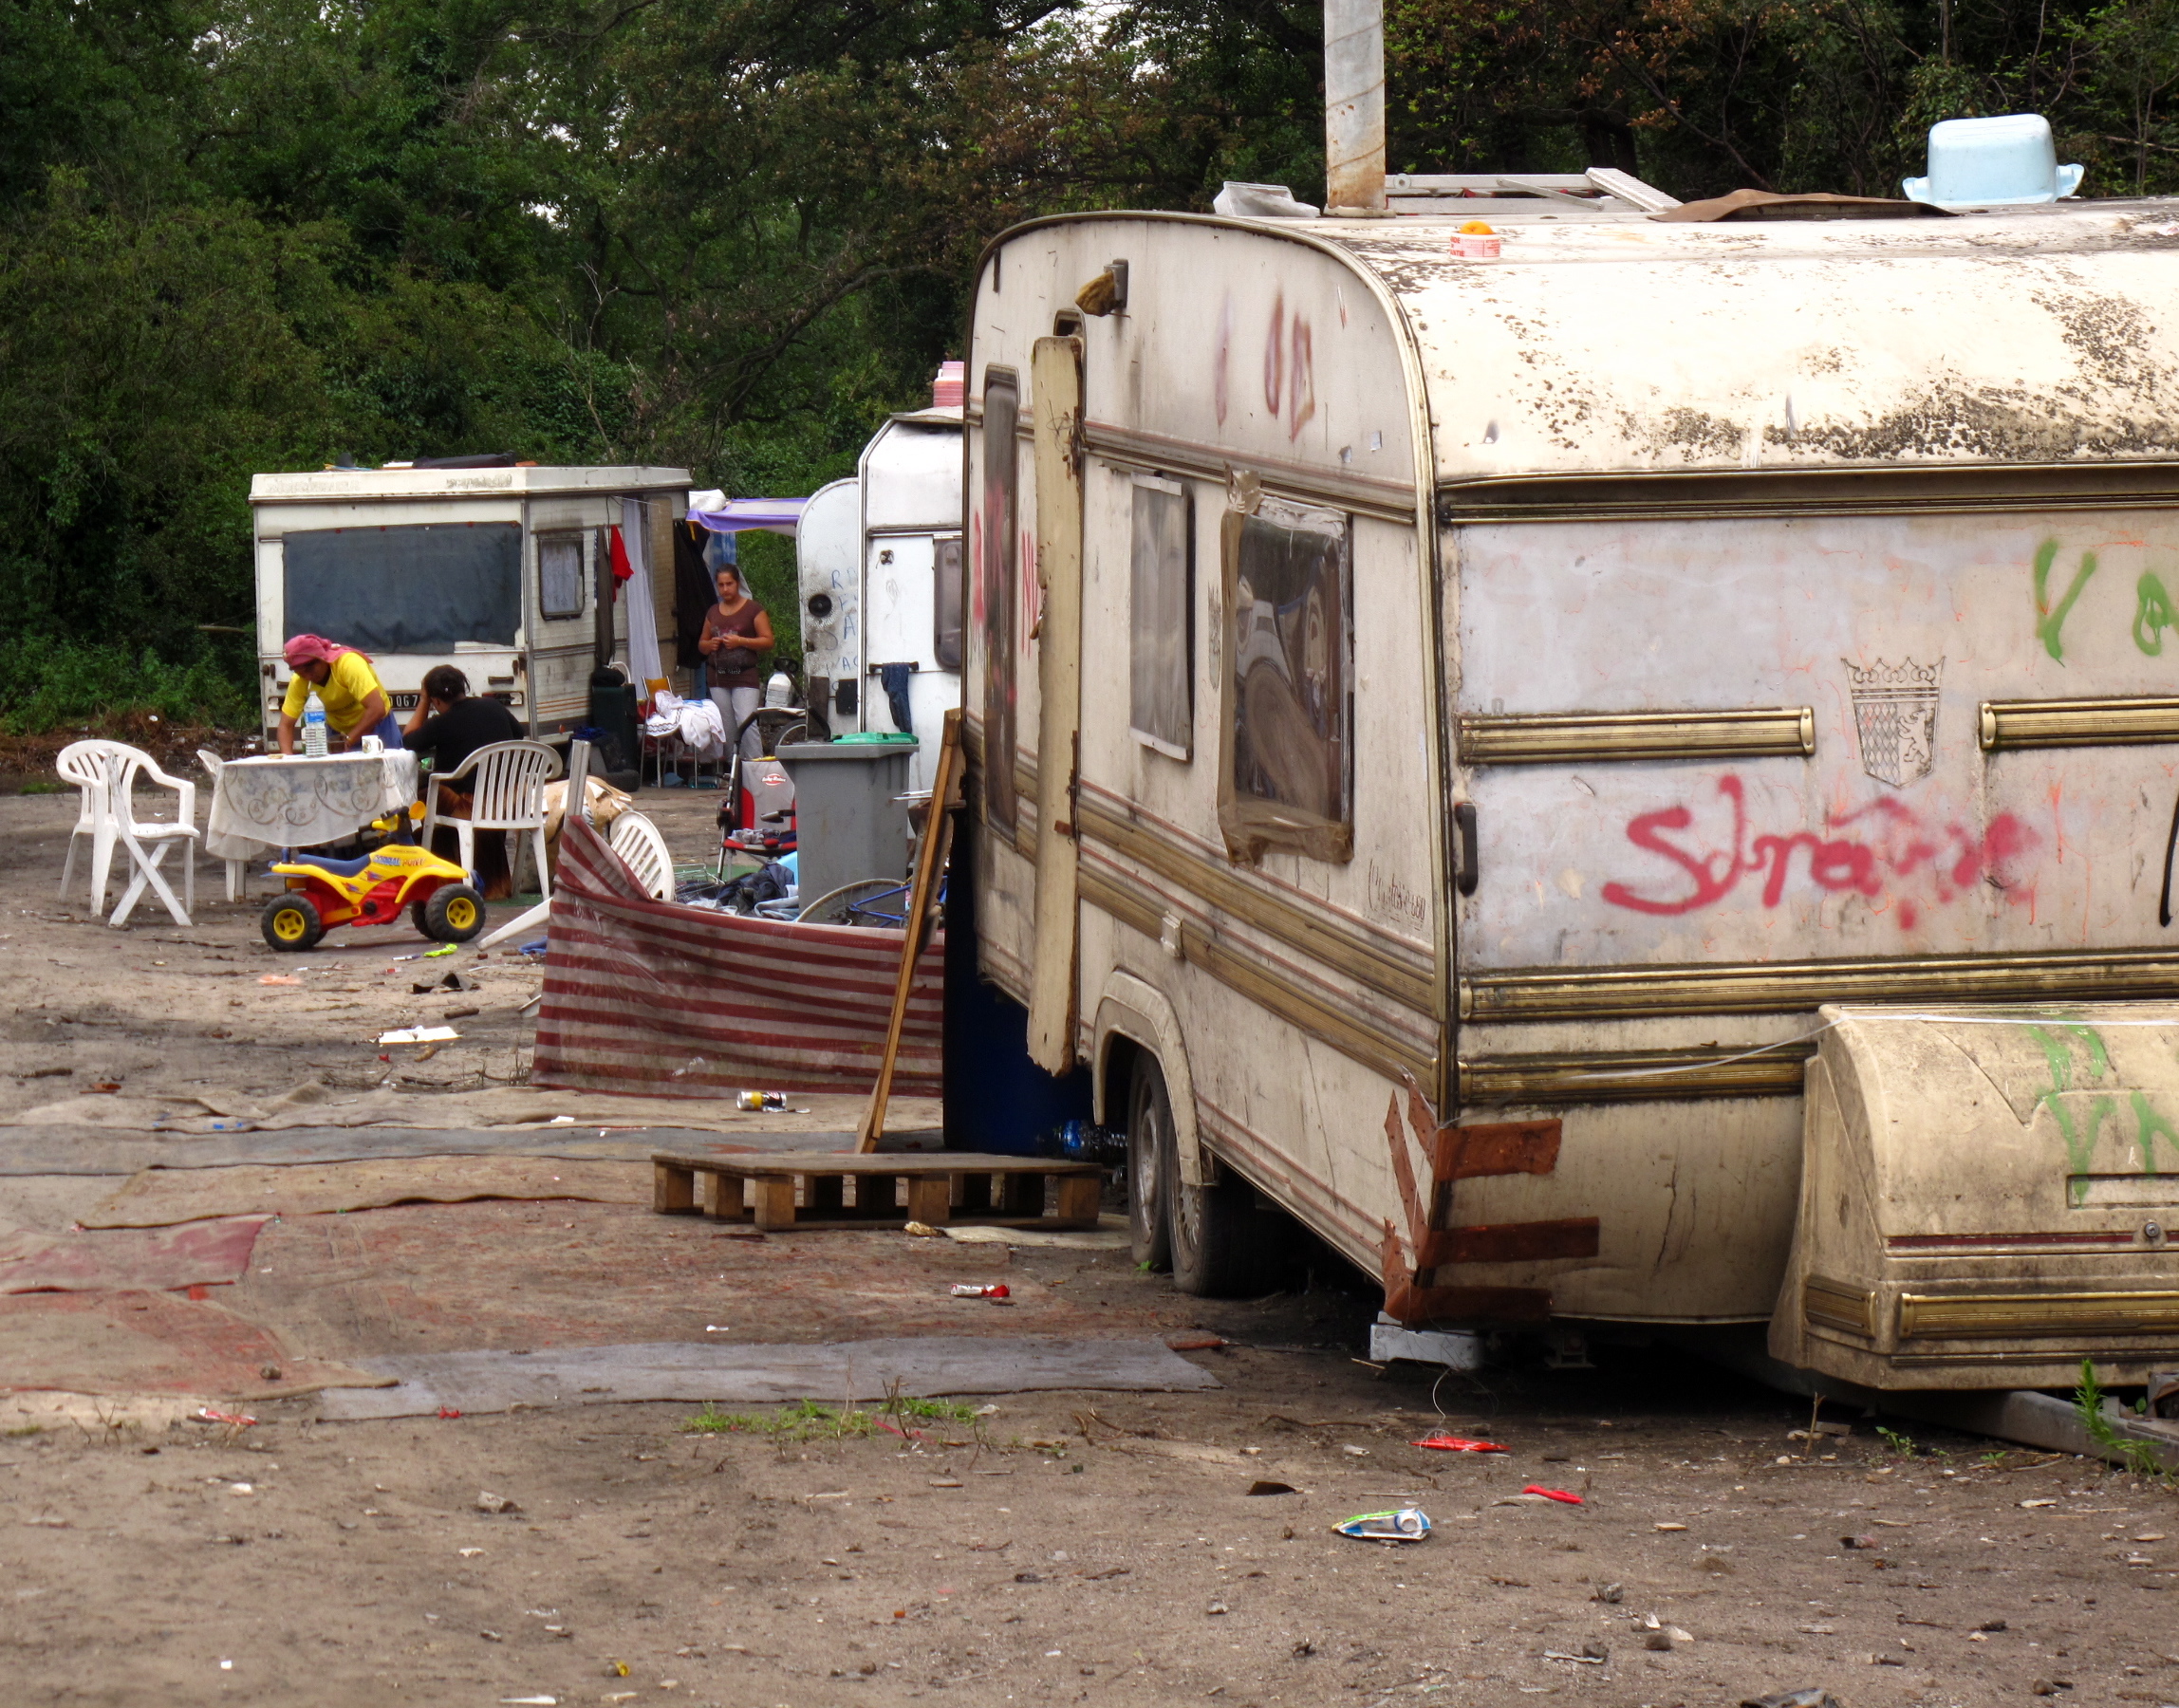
(622, 569)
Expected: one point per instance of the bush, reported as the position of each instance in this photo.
(45, 683)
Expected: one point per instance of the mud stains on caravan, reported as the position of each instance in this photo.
(1892, 848)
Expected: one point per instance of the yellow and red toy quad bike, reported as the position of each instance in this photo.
(323, 893)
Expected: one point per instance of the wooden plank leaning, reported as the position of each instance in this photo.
(930, 861)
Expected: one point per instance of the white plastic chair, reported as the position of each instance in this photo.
(86, 765)
(237, 870)
(506, 783)
(146, 841)
(637, 840)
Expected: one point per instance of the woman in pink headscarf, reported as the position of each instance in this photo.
(349, 687)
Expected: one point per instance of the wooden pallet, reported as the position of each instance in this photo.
(811, 1189)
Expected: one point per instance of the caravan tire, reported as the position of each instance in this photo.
(1151, 1165)
(1217, 1235)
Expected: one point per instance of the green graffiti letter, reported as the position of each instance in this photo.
(2148, 1126)
(2152, 615)
(2052, 618)
(2080, 1140)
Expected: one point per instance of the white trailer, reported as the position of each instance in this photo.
(495, 570)
(1460, 743)
(879, 563)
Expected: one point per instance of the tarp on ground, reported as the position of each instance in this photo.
(653, 997)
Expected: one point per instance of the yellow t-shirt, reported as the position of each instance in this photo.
(353, 681)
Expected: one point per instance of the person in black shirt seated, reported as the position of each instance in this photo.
(448, 725)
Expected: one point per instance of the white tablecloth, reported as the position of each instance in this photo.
(278, 801)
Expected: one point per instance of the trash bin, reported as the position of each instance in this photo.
(849, 824)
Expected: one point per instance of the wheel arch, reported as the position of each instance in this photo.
(1135, 1016)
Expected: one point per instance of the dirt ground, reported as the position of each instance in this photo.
(1061, 1546)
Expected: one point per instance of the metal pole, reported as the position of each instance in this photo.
(1355, 104)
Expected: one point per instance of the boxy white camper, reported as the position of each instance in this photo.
(879, 563)
(1618, 770)
(496, 570)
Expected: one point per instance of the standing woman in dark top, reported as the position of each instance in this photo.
(448, 725)
(736, 634)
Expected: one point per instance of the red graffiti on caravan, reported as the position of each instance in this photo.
(1892, 848)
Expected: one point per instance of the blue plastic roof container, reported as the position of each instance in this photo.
(2006, 162)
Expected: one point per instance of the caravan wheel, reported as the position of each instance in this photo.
(1150, 1165)
(1219, 1239)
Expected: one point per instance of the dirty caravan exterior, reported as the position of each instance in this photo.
(495, 570)
(878, 562)
(1631, 781)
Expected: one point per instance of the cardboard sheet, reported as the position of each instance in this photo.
(162, 1196)
(151, 1343)
(490, 1382)
(202, 1254)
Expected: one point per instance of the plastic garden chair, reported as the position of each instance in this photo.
(86, 764)
(637, 840)
(146, 841)
(506, 782)
(237, 870)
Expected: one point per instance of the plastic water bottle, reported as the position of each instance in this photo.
(314, 726)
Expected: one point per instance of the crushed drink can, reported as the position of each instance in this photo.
(1404, 1524)
(998, 1290)
(760, 1100)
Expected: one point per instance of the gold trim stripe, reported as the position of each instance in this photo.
(1363, 495)
(2009, 726)
(1632, 1075)
(1347, 1031)
(1786, 987)
(1970, 1316)
(1587, 738)
(1703, 494)
(1315, 937)
(1826, 1304)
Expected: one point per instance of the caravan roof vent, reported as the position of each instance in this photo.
(2006, 162)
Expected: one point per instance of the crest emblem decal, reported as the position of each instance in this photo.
(1895, 717)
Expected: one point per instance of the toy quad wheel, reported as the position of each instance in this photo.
(453, 914)
(292, 922)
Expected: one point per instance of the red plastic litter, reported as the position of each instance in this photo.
(1458, 1444)
(240, 1420)
(199, 1292)
(997, 1290)
(448, 1411)
(1552, 1494)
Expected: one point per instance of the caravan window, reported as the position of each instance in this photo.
(1160, 611)
(946, 602)
(997, 581)
(560, 575)
(423, 588)
(1287, 777)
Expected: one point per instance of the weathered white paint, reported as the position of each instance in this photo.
(828, 565)
(1866, 848)
(1356, 363)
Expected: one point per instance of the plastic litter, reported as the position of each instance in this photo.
(448, 1411)
(205, 1413)
(279, 979)
(997, 1290)
(420, 1035)
(1445, 1443)
(1401, 1524)
(1814, 1696)
(760, 1100)
(920, 1231)
(1558, 1494)
(442, 948)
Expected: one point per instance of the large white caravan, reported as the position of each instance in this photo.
(1619, 769)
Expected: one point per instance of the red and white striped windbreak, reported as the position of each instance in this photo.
(655, 998)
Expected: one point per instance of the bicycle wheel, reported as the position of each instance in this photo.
(843, 905)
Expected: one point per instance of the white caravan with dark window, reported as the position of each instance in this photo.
(497, 572)
(1624, 773)
(879, 563)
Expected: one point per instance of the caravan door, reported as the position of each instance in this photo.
(1055, 390)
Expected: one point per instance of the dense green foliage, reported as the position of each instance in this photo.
(731, 234)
